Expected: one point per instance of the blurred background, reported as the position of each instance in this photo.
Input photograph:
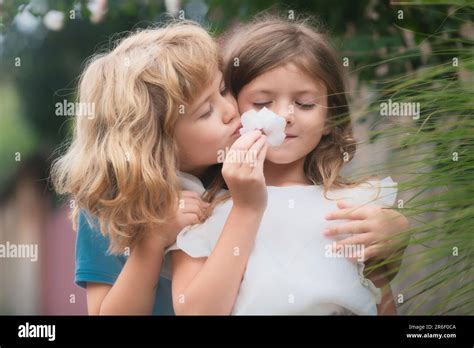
(416, 51)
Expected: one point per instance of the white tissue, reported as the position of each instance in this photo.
(270, 123)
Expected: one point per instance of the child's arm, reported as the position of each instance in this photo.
(210, 285)
(140, 275)
(141, 272)
(381, 280)
(374, 227)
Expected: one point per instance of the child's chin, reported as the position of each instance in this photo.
(280, 156)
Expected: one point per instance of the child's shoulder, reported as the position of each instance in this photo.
(373, 191)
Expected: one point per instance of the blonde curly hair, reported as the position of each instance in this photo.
(121, 165)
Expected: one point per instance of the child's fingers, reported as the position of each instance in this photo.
(354, 213)
(261, 157)
(190, 219)
(258, 145)
(186, 204)
(348, 227)
(246, 140)
(373, 251)
(236, 156)
(251, 157)
(193, 197)
(194, 209)
(365, 239)
(191, 207)
(242, 156)
(354, 254)
(344, 205)
(185, 200)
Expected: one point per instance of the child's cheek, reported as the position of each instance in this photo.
(314, 124)
(214, 140)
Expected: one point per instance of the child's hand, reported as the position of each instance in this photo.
(372, 226)
(190, 210)
(243, 171)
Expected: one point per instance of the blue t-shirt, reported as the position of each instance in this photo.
(95, 264)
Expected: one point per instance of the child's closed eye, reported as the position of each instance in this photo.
(208, 113)
(305, 106)
(262, 104)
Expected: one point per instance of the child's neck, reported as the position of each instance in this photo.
(285, 174)
(196, 171)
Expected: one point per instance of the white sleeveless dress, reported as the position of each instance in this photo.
(289, 271)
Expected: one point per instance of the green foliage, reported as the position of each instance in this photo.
(435, 155)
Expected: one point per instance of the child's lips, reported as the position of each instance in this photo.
(237, 130)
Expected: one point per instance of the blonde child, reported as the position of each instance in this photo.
(151, 95)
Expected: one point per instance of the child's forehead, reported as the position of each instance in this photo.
(287, 75)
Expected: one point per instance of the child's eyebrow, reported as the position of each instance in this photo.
(261, 91)
(308, 91)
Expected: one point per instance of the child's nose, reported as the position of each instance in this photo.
(231, 110)
(286, 111)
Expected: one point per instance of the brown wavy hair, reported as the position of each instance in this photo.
(269, 42)
(121, 165)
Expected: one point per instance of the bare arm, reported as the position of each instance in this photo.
(387, 305)
(96, 293)
(133, 293)
(393, 267)
(210, 285)
(381, 280)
